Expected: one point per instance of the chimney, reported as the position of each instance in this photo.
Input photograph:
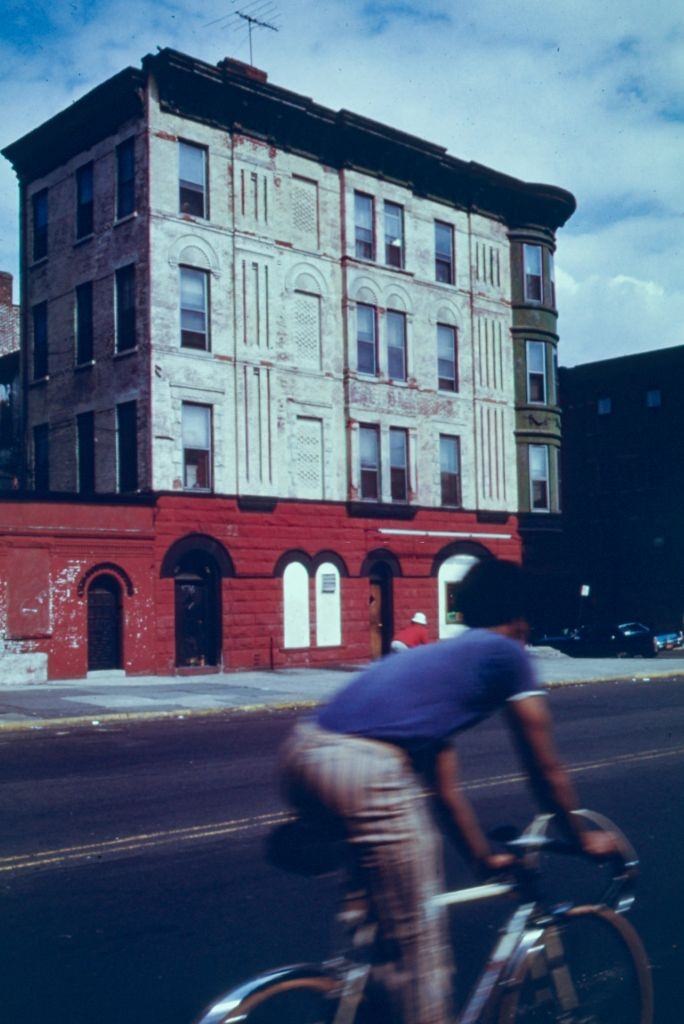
(238, 67)
(5, 288)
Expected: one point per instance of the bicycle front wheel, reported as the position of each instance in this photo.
(286, 997)
(589, 967)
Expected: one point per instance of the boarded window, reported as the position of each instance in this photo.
(296, 606)
(328, 606)
(307, 330)
(305, 212)
(309, 457)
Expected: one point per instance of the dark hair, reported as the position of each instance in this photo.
(493, 593)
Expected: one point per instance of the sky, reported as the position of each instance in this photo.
(577, 93)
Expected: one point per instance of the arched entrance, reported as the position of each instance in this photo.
(197, 599)
(381, 567)
(104, 623)
(450, 566)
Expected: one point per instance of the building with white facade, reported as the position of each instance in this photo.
(245, 308)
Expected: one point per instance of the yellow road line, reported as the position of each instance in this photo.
(85, 852)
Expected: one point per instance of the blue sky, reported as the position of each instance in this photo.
(586, 95)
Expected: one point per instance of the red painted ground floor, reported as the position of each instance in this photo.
(176, 583)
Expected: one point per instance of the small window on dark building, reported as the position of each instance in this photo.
(125, 178)
(654, 398)
(192, 179)
(41, 458)
(536, 372)
(85, 428)
(84, 201)
(398, 439)
(604, 406)
(40, 224)
(125, 308)
(127, 446)
(532, 259)
(40, 341)
(84, 322)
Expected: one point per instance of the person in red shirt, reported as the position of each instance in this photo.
(412, 635)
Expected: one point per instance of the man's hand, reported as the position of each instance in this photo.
(497, 862)
(599, 844)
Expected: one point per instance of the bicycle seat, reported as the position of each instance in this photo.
(307, 847)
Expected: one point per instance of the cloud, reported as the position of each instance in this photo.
(583, 95)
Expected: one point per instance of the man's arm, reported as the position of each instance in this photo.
(532, 726)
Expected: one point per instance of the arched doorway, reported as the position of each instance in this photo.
(197, 599)
(450, 566)
(104, 624)
(381, 568)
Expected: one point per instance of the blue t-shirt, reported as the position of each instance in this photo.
(418, 698)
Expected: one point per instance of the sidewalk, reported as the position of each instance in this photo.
(111, 696)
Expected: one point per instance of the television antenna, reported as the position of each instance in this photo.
(249, 15)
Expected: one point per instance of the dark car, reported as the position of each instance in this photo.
(603, 641)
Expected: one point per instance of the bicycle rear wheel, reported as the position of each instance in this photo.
(589, 967)
(285, 998)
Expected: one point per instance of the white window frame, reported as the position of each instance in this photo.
(202, 275)
(377, 468)
(536, 346)
(194, 186)
(208, 449)
(531, 273)
(361, 227)
(535, 477)
(404, 434)
(396, 316)
(393, 243)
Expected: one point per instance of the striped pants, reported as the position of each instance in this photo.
(372, 787)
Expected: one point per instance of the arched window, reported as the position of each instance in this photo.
(104, 623)
(296, 626)
(328, 606)
(450, 574)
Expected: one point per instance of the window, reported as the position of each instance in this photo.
(84, 201)
(447, 361)
(394, 235)
(366, 340)
(40, 341)
(125, 178)
(369, 446)
(396, 345)
(444, 252)
(552, 281)
(539, 477)
(196, 428)
(84, 323)
(536, 372)
(532, 259)
(192, 180)
(604, 406)
(328, 606)
(654, 398)
(398, 464)
(450, 469)
(127, 446)
(85, 429)
(363, 226)
(125, 308)
(194, 308)
(40, 224)
(41, 458)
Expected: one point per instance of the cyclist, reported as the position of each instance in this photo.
(368, 757)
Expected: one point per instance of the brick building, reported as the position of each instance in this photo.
(623, 486)
(311, 357)
(10, 440)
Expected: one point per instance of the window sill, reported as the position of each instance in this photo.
(365, 508)
(85, 366)
(38, 263)
(125, 220)
(84, 239)
(189, 350)
(351, 258)
(197, 490)
(125, 352)
(39, 380)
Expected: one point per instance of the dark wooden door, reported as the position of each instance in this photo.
(104, 624)
(375, 619)
(195, 627)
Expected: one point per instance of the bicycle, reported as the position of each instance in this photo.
(552, 964)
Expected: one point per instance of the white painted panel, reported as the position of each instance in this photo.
(309, 458)
(450, 571)
(296, 606)
(328, 606)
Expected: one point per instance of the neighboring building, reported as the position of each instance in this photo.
(9, 387)
(279, 315)
(623, 486)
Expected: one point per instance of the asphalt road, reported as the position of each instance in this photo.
(133, 887)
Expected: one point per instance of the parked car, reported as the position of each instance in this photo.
(603, 641)
(668, 641)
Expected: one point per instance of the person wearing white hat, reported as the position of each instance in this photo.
(412, 635)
